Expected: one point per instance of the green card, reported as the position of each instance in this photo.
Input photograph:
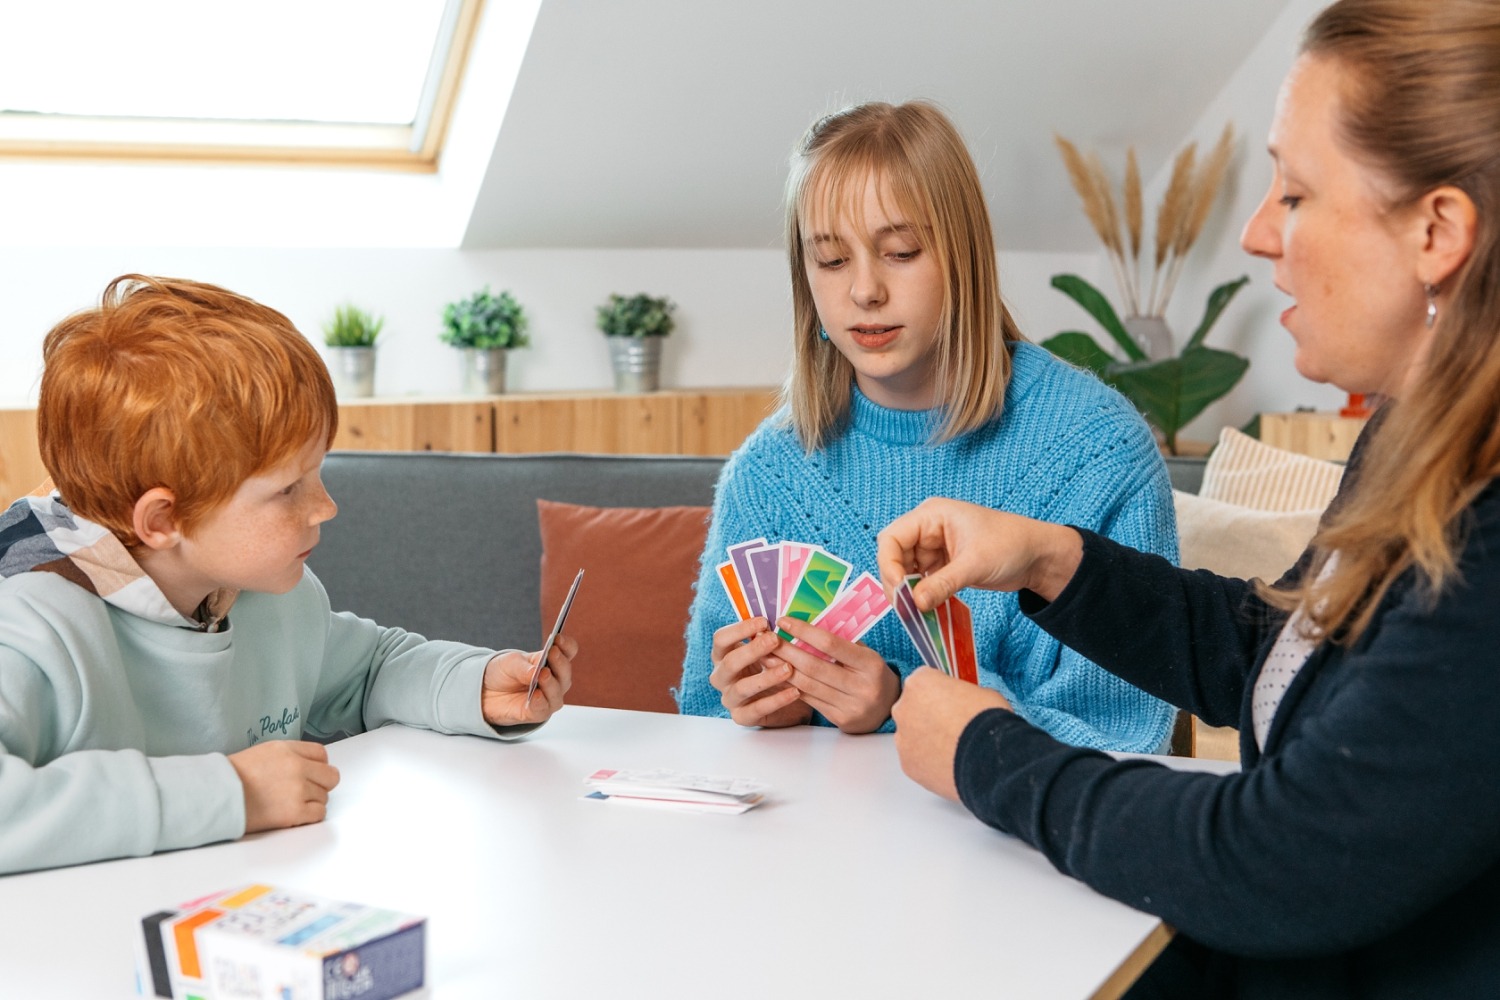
(823, 575)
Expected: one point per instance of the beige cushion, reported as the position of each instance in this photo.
(1246, 472)
(1257, 510)
(1237, 541)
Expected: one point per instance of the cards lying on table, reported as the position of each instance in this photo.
(943, 636)
(676, 789)
(803, 581)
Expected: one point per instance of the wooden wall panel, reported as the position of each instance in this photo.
(601, 423)
(528, 424)
(714, 422)
(20, 463)
(417, 425)
(1321, 435)
(687, 422)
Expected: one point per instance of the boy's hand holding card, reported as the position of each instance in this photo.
(541, 660)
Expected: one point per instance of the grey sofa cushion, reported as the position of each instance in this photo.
(447, 545)
(1186, 472)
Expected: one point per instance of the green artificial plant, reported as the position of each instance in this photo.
(1169, 392)
(636, 316)
(485, 321)
(352, 327)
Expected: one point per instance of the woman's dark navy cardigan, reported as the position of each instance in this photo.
(1358, 855)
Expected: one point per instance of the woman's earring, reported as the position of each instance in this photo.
(1431, 291)
(823, 334)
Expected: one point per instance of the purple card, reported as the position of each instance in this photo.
(916, 628)
(765, 571)
(747, 579)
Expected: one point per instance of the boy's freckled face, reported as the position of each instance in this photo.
(259, 540)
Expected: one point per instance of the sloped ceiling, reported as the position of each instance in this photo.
(667, 123)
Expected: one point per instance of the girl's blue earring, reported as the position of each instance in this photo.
(822, 333)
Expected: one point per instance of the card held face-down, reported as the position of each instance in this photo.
(562, 616)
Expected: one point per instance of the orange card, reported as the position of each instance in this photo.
(731, 581)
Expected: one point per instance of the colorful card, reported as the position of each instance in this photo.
(737, 556)
(736, 593)
(961, 645)
(934, 631)
(944, 636)
(793, 560)
(765, 577)
(916, 628)
(822, 578)
(853, 613)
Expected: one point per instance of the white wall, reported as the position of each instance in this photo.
(1250, 326)
(734, 312)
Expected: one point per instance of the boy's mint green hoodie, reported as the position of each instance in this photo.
(116, 712)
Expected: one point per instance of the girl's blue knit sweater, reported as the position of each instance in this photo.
(1066, 449)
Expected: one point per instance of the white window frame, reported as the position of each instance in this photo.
(414, 147)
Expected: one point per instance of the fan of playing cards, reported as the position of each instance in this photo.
(944, 636)
(800, 580)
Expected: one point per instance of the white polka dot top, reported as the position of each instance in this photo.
(1288, 656)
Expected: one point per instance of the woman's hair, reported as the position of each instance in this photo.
(1420, 104)
(178, 384)
(921, 161)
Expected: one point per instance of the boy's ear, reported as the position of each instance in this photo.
(155, 519)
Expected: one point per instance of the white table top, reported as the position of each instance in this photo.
(849, 881)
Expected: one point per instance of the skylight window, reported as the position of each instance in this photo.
(361, 81)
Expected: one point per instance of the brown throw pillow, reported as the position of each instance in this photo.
(632, 608)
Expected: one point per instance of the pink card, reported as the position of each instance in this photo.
(853, 613)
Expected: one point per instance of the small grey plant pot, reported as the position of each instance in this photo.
(637, 363)
(353, 371)
(482, 370)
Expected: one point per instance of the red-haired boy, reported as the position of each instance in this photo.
(155, 611)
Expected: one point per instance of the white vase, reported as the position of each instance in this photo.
(483, 370)
(1152, 334)
(353, 371)
(637, 363)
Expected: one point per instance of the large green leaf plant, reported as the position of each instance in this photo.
(1169, 392)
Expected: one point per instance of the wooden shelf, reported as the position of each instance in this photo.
(672, 422)
(1320, 435)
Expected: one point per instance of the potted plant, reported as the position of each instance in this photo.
(1169, 389)
(635, 326)
(350, 337)
(484, 326)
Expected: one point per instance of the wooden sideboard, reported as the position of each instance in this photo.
(1320, 435)
(674, 422)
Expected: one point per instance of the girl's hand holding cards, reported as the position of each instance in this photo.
(751, 680)
(850, 684)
